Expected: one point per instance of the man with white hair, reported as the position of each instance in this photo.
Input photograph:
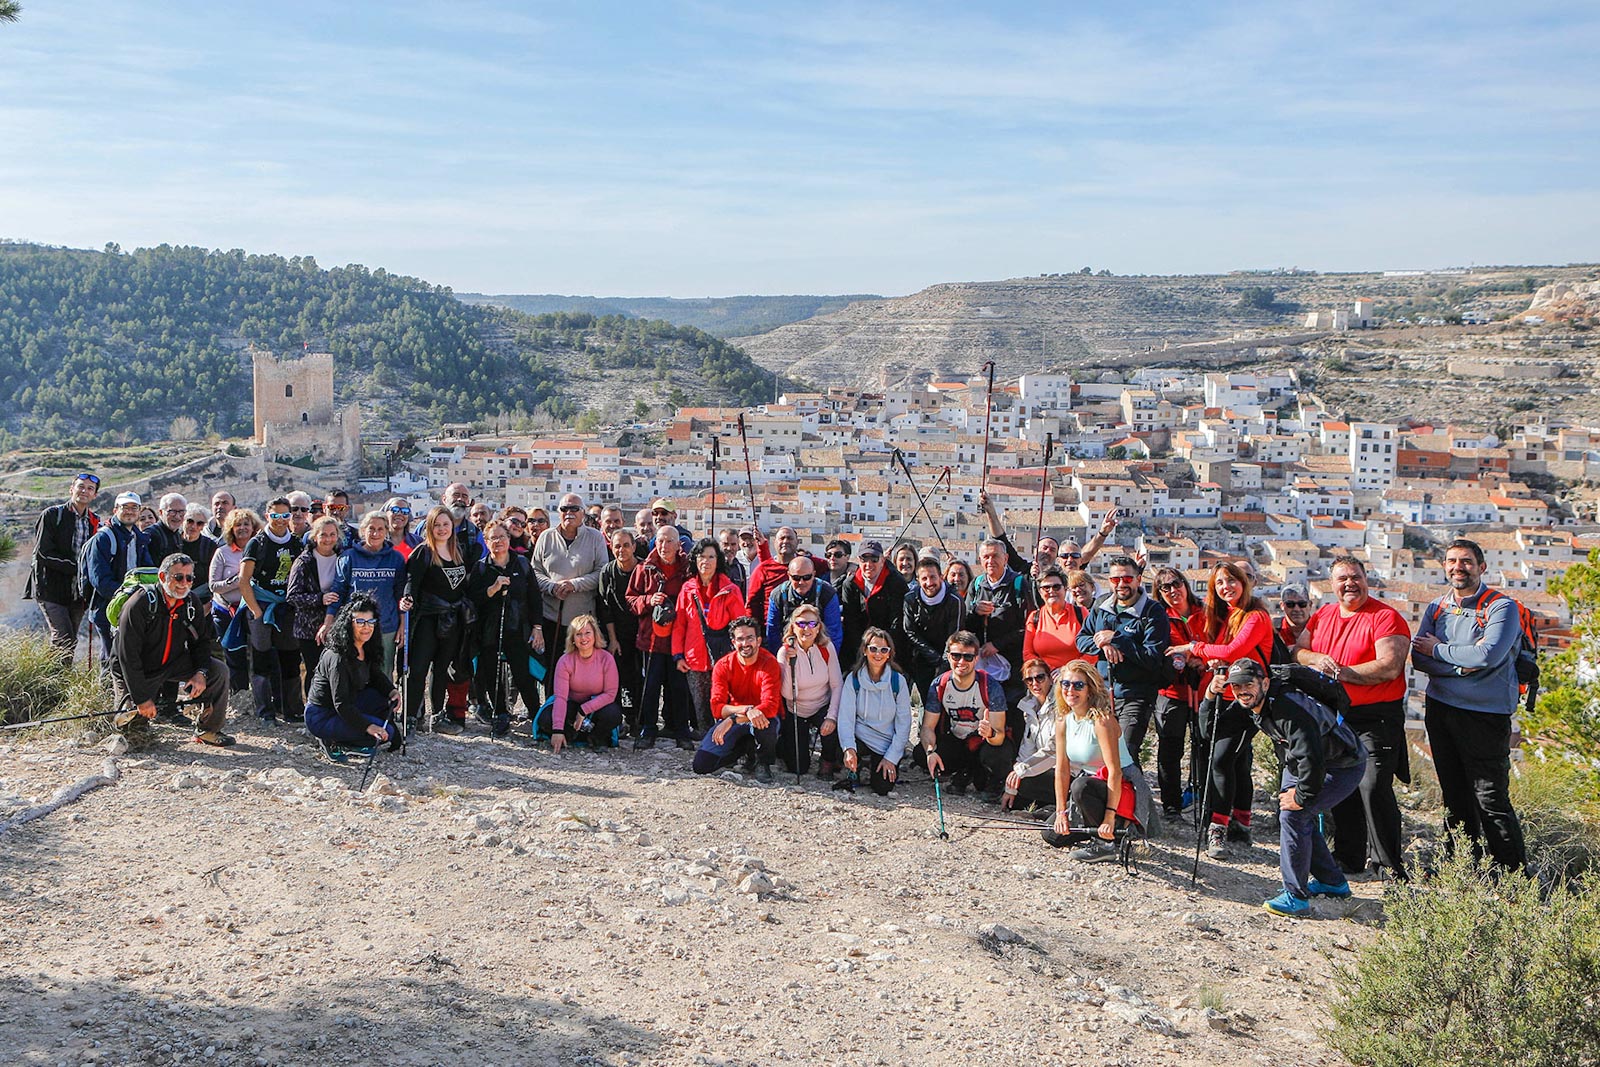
(299, 513)
(166, 536)
(567, 559)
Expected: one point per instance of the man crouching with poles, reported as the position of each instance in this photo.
(1323, 761)
(166, 648)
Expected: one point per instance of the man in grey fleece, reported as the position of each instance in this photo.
(567, 560)
(1468, 645)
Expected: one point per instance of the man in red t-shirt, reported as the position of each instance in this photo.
(1363, 643)
(746, 701)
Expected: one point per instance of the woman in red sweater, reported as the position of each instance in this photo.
(1236, 625)
(1051, 633)
(707, 604)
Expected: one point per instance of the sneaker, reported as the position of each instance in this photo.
(1239, 835)
(763, 773)
(1323, 889)
(642, 742)
(219, 739)
(1217, 841)
(1096, 851)
(501, 726)
(331, 752)
(686, 744)
(483, 713)
(266, 718)
(826, 769)
(1286, 903)
(958, 784)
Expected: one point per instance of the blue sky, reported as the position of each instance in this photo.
(694, 149)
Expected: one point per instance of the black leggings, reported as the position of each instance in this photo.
(487, 678)
(787, 741)
(429, 649)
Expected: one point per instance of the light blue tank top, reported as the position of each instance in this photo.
(1083, 745)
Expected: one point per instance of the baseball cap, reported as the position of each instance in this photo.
(128, 498)
(662, 504)
(870, 549)
(1245, 670)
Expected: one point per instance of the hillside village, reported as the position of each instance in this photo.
(1201, 467)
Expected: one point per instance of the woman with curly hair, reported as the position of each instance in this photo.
(352, 701)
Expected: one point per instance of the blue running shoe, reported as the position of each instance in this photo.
(1286, 903)
(1323, 889)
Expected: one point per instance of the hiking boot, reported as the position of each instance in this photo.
(643, 741)
(1286, 903)
(1323, 889)
(1096, 851)
(501, 726)
(687, 745)
(1217, 841)
(218, 739)
(958, 784)
(826, 769)
(763, 773)
(1239, 834)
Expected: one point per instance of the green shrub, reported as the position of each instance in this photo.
(1558, 801)
(1475, 970)
(35, 685)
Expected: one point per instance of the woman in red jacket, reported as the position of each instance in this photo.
(1051, 633)
(1236, 625)
(707, 603)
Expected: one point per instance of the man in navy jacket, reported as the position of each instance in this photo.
(1129, 632)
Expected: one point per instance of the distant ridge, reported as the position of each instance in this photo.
(720, 316)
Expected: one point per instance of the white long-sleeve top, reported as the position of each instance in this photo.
(1036, 753)
(875, 713)
(811, 682)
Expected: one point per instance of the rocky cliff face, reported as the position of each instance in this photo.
(948, 331)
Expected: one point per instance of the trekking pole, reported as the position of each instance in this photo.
(922, 501)
(794, 703)
(368, 767)
(27, 723)
(748, 477)
(405, 671)
(1044, 482)
(502, 688)
(1202, 814)
(714, 463)
(988, 406)
(938, 800)
(549, 672)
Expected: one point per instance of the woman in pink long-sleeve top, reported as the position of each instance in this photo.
(584, 698)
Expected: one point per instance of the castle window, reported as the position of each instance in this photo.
(305, 417)
(288, 391)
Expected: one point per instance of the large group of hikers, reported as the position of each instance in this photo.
(1032, 681)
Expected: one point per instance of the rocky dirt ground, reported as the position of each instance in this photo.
(484, 902)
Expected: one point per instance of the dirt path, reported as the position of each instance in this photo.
(485, 903)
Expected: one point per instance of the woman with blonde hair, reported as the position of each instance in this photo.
(811, 677)
(583, 702)
(1236, 625)
(1097, 783)
(441, 614)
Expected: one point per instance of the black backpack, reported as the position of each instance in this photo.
(1314, 684)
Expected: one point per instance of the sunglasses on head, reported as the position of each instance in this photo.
(962, 657)
(88, 478)
(1074, 684)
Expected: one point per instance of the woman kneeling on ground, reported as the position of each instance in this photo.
(811, 682)
(352, 702)
(584, 700)
(1098, 786)
(875, 712)
(1032, 778)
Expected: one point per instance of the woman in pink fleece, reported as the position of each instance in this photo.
(584, 703)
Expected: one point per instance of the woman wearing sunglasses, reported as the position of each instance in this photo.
(875, 713)
(1099, 788)
(352, 700)
(1051, 632)
(1177, 700)
(1032, 778)
(809, 671)
(401, 539)
(1236, 624)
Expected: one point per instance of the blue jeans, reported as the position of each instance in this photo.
(712, 757)
(1302, 850)
(325, 724)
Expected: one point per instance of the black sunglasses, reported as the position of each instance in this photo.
(1035, 679)
(962, 657)
(802, 577)
(1297, 603)
(1074, 684)
(1171, 585)
(567, 509)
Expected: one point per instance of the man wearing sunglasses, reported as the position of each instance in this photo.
(875, 595)
(964, 724)
(773, 570)
(299, 513)
(1295, 607)
(567, 560)
(1129, 632)
(803, 587)
(58, 540)
(166, 647)
(337, 504)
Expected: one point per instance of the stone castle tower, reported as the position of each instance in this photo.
(295, 414)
